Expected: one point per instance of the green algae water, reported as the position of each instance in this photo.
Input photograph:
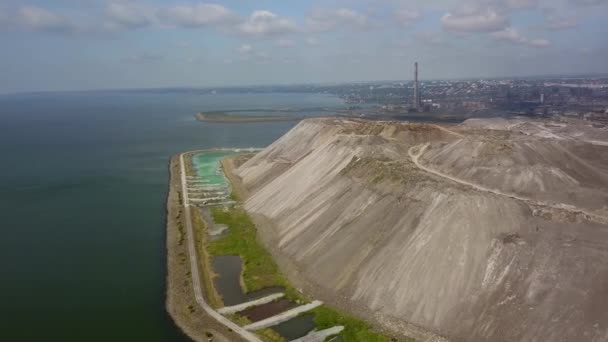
(229, 267)
(83, 185)
(207, 165)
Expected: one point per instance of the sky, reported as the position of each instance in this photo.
(53, 45)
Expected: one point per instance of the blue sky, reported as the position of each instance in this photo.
(93, 44)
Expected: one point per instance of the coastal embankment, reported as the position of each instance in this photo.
(220, 117)
(181, 302)
(249, 298)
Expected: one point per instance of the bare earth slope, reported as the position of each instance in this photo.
(478, 234)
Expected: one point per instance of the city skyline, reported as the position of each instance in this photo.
(69, 45)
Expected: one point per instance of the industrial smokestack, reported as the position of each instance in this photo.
(416, 90)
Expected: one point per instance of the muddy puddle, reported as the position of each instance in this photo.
(221, 230)
(215, 230)
(297, 327)
(260, 312)
(228, 268)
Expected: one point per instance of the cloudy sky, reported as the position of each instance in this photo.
(92, 44)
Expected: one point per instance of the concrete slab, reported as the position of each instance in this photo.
(283, 317)
(240, 307)
(320, 335)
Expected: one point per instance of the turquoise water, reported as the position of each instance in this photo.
(83, 185)
(229, 267)
(207, 166)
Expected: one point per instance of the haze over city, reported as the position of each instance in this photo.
(97, 44)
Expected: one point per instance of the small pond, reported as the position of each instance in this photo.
(260, 312)
(228, 268)
(297, 327)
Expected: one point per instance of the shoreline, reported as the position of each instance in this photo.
(201, 324)
(227, 118)
(180, 302)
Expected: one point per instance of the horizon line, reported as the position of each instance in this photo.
(326, 83)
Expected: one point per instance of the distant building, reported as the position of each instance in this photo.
(417, 102)
(474, 105)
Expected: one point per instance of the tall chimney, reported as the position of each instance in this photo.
(416, 90)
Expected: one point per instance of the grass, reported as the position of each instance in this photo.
(267, 335)
(200, 234)
(234, 196)
(270, 335)
(354, 328)
(259, 269)
(190, 171)
(238, 319)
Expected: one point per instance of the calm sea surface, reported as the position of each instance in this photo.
(83, 183)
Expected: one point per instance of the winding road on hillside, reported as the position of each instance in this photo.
(560, 206)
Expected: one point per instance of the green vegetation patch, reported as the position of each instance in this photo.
(270, 335)
(267, 334)
(354, 328)
(259, 269)
(381, 169)
(206, 273)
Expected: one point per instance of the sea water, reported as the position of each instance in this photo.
(83, 185)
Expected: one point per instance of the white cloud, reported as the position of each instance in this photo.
(285, 43)
(200, 15)
(245, 49)
(429, 37)
(265, 23)
(539, 43)
(588, 2)
(312, 41)
(352, 17)
(247, 52)
(407, 17)
(560, 23)
(129, 15)
(39, 19)
(196, 60)
(144, 58)
(509, 34)
(321, 21)
(512, 35)
(261, 54)
(522, 4)
(474, 20)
